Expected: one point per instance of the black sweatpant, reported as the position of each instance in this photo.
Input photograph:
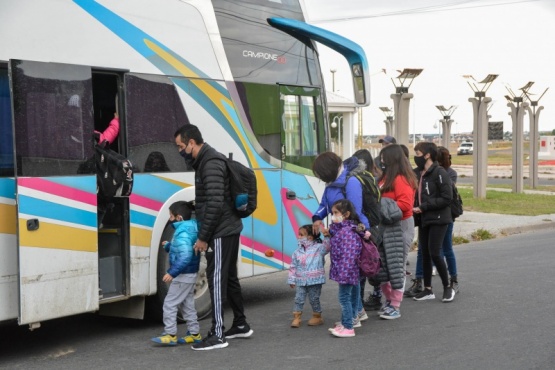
(431, 239)
(221, 271)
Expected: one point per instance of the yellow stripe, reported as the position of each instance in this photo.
(267, 214)
(57, 237)
(7, 219)
(140, 237)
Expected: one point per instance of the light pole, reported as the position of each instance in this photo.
(401, 101)
(336, 123)
(333, 70)
(534, 116)
(446, 123)
(480, 154)
(388, 113)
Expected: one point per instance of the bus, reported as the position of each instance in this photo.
(246, 72)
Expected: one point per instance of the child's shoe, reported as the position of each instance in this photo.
(190, 338)
(362, 315)
(343, 332)
(296, 320)
(337, 325)
(384, 307)
(316, 319)
(166, 339)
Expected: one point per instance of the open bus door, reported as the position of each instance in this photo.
(56, 203)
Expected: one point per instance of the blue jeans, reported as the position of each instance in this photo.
(446, 252)
(313, 297)
(349, 297)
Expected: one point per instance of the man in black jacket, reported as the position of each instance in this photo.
(218, 237)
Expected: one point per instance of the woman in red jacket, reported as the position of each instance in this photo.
(399, 183)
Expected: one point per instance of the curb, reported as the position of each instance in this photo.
(527, 228)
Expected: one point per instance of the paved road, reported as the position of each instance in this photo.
(503, 319)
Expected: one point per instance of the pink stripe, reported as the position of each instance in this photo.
(58, 190)
(145, 202)
(289, 204)
(262, 248)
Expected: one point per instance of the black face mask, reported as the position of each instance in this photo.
(420, 162)
(188, 156)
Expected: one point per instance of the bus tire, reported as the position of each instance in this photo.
(155, 303)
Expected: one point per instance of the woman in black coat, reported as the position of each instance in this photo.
(432, 213)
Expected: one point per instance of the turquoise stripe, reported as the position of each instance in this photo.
(260, 259)
(153, 187)
(7, 188)
(142, 219)
(41, 208)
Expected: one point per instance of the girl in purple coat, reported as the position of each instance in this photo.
(346, 245)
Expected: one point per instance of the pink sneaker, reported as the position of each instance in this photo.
(336, 327)
(343, 332)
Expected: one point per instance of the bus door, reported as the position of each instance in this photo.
(303, 137)
(55, 194)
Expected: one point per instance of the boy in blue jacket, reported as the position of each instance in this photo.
(182, 276)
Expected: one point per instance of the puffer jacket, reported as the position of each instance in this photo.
(346, 245)
(183, 259)
(307, 263)
(392, 248)
(342, 188)
(212, 196)
(436, 192)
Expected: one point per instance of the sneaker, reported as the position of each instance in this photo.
(384, 307)
(391, 313)
(424, 295)
(455, 284)
(210, 342)
(343, 332)
(356, 323)
(373, 303)
(190, 338)
(362, 315)
(336, 326)
(414, 289)
(243, 331)
(448, 294)
(166, 339)
(434, 271)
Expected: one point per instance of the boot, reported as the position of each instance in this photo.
(455, 283)
(373, 303)
(414, 289)
(316, 319)
(296, 320)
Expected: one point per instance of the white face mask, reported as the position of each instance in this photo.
(337, 219)
(302, 241)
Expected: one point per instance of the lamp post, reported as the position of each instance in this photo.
(336, 123)
(388, 113)
(401, 101)
(534, 116)
(480, 154)
(333, 70)
(446, 123)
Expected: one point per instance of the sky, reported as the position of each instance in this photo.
(447, 39)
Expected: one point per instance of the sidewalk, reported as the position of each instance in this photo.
(500, 225)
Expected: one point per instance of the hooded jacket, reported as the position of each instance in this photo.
(213, 205)
(346, 244)
(182, 257)
(352, 188)
(307, 263)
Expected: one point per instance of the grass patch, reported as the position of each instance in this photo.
(481, 234)
(460, 240)
(508, 203)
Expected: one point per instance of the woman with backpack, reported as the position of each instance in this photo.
(432, 216)
(340, 184)
(398, 183)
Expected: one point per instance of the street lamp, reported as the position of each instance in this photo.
(333, 70)
(446, 123)
(388, 113)
(401, 100)
(336, 123)
(534, 115)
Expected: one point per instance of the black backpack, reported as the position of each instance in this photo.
(370, 199)
(456, 203)
(242, 184)
(114, 172)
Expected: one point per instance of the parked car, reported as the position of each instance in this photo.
(465, 148)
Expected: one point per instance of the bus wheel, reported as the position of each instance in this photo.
(155, 303)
